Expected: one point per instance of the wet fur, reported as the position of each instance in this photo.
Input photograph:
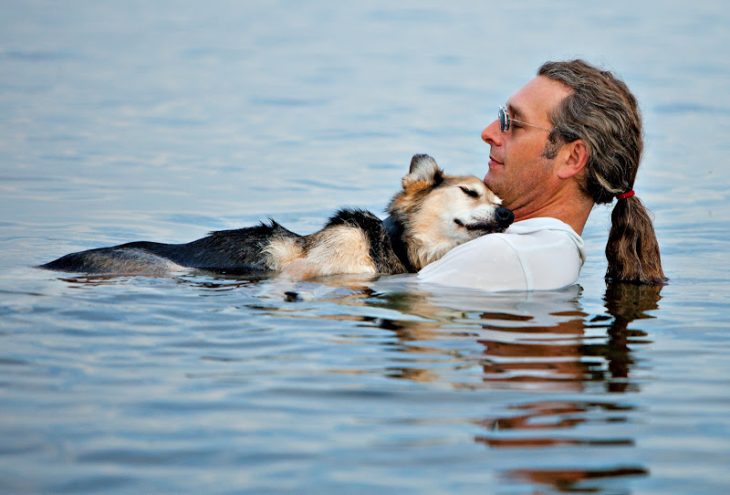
(430, 215)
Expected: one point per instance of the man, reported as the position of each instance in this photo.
(569, 139)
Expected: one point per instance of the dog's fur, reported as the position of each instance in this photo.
(432, 214)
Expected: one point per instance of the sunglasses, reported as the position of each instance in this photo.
(506, 121)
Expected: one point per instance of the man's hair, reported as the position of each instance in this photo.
(602, 112)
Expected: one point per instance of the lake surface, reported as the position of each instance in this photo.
(162, 121)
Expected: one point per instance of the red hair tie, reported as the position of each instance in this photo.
(625, 195)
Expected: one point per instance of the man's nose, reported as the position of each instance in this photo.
(491, 134)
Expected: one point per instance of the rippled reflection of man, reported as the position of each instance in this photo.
(569, 139)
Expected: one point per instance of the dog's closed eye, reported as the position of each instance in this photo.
(469, 192)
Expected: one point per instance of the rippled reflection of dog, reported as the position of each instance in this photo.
(432, 214)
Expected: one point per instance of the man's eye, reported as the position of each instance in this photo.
(469, 192)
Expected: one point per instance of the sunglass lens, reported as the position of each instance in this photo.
(503, 120)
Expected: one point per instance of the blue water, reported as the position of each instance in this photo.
(165, 120)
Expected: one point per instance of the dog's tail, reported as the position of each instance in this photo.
(132, 258)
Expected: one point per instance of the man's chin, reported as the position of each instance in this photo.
(491, 182)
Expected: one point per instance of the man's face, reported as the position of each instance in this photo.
(518, 170)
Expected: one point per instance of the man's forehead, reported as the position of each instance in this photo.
(537, 98)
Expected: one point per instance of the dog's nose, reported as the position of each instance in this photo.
(505, 217)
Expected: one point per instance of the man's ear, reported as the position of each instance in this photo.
(573, 159)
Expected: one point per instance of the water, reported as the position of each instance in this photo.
(163, 121)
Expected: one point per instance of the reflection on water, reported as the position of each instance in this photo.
(528, 343)
(544, 389)
(577, 481)
(575, 364)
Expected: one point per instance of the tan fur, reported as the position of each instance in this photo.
(282, 252)
(341, 249)
(336, 250)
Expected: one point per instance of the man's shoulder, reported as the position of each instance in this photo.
(541, 231)
(543, 235)
(540, 224)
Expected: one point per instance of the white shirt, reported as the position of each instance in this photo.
(534, 254)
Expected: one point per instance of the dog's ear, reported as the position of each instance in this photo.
(424, 172)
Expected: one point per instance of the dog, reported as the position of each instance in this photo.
(432, 214)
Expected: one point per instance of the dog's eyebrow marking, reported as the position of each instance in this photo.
(469, 192)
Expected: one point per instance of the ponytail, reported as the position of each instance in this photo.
(632, 249)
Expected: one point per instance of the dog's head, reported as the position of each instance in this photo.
(439, 212)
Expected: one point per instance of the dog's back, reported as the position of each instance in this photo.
(228, 251)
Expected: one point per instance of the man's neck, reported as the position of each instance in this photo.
(573, 210)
